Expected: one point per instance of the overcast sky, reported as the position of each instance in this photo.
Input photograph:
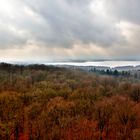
(52, 30)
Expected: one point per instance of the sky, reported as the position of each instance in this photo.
(64, 30)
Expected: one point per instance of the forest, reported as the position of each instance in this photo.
(39, 102)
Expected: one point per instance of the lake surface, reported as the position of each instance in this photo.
(99, 63)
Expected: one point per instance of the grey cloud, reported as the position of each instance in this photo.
(124, 9)
(10, 38)
(61, 23)
(71, 21)
(64, 23)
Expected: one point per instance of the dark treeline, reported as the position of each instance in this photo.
(39, 102)
(111, 72)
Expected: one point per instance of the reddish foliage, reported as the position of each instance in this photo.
(22, 136)
(82, 129)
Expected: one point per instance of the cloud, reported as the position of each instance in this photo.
(74, 21)
(69, 29)
(127, 10)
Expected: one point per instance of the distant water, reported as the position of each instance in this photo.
(111, 64)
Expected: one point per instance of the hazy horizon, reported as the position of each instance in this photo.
(103, 63)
